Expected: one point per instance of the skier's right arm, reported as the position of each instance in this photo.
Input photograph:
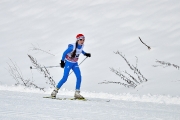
(68, 50)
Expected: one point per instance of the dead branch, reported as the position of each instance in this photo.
(166, 64)
(129, 82)
(123, 77)
(107, 82)
(38, 49)
(16, 73)
(43, 70)
(145, 44)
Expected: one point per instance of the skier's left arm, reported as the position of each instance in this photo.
(86, 54)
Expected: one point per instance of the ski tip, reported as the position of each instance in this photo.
(49, 97)
(83, 99)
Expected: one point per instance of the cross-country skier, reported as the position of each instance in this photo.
(69, 61)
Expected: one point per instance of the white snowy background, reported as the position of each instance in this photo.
(108, 25)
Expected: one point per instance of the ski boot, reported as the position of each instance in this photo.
(54, 92)
(77, 95)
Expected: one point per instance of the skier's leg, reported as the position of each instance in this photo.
(63, 80)
(78, 81)
(78, 76)
(67, 68)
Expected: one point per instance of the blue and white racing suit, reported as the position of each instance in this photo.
(71, 63)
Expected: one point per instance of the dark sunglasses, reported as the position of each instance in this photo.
(81, 39)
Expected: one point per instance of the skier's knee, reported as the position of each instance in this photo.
(79, 78)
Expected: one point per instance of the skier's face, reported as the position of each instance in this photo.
(81, 41)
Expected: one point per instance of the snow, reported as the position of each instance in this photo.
(29, 104)
(109, 26)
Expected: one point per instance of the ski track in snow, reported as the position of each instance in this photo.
(26, 105)
(161, 99)
(19, 103)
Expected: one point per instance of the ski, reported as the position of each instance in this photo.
(58, 98)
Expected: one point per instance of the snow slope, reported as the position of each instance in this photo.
(29, 104)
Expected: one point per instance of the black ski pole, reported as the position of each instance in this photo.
(44, 67)
(55, 66)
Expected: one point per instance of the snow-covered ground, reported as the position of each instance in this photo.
(29, 104)
(108, 25)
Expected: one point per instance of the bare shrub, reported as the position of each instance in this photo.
(166, 64)
(43, 70)
(16, 73)
(129, 80)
